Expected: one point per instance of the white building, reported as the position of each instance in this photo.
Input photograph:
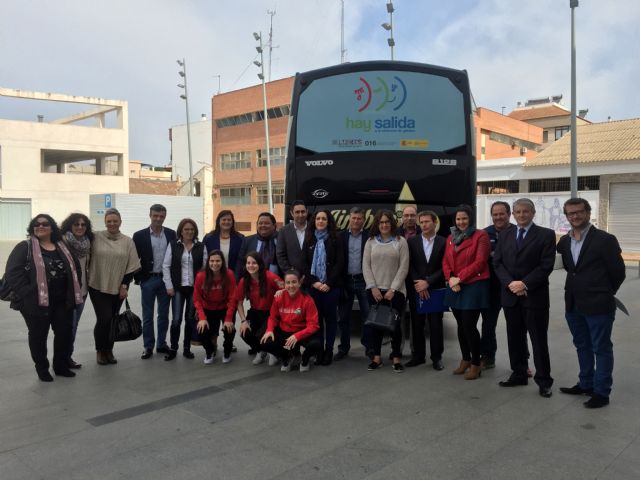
(53, 166)
(201, 148)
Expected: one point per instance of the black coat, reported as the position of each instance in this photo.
(594, 280)
(419, 268)
(532, 264)
(344, 237)
(142, 240)
(24, 284)
(335, 261)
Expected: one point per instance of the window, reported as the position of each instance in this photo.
(257, 116)
(560, 131)
(235, 196)
(498, 186)
(235, 160)
(563, 184)
(277, 194)
(278, 155)
(545, 136)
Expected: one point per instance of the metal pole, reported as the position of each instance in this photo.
(186, 102)
(393, 41)
(266, 129)
(574, 141)
(342, 50)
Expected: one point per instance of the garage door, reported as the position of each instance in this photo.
(15, 215)
(624, 205)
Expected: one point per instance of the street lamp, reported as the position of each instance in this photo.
(183, 73)
(260, 65)
(388, 26)
(574, 140)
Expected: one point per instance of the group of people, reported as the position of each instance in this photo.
(300, 284)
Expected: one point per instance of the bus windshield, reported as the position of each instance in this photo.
(381, 110)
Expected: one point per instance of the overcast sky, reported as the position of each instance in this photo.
(126, 49)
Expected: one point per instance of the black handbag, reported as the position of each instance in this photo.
(383, 317)
(6, 292)
(126, 325)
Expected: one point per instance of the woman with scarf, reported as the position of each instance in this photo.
(45, 278)
(323, 254)
(385, 265)
(77, 235)
(466, 271)
(114, 259)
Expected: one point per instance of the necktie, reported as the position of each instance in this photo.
(520, 238)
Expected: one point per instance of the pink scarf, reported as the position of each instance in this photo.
(41, 275)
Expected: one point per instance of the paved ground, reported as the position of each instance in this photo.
(183, 420)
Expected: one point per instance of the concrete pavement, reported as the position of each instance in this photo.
(183, 420)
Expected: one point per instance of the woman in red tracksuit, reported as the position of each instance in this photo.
(213, 293)
(258, 285)
(293, 322)
(466, 271)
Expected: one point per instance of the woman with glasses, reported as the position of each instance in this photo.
(114, 259)
(77, 235)
(45, 279)
(184, 258)
(385, 264)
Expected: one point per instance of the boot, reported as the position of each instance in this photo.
(101, 358)
(327, 357)
(464, 364)
(110, 358)
(473, 373)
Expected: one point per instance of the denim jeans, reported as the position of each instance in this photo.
(153, 288)
(182, 305)
(353, 287)
(592, 339)
(77, 313)
(327, 305)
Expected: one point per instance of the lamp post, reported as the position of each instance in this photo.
(185, 97)
(260, 64)
(574, 141)
(388, 26)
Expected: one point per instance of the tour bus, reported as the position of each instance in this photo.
(381, 134)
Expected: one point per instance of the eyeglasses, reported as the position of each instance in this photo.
(42, 224)
(79, 224)
(576, 213)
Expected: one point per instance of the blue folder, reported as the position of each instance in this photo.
(435, 302)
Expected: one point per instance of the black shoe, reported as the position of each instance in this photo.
(44, 376)
(438, 365)
(234, 349)
(171, 355)
(340, 355)
(164, 349)
(188, 354)
(596, 401)
(64, 372)
(327, 358)
(146, 354)
(398, 368)
(73, 364)
(374, 366)
(513, 382)
(545, 392)
(414, 362)
(576, 390)
(319, 359)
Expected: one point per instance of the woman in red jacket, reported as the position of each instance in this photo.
(213, 293)
(293, 322)
(466, 270)
(258, 285)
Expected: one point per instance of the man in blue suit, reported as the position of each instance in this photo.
(151, 244)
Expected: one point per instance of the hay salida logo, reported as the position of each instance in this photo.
(384, 96)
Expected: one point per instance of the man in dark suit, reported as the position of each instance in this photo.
(523, 261)
(425, 274)
(151, 244)
(353, 240)
(595, 271)
(291, 237)
(263, 242)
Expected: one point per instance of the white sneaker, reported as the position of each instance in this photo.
(286, 366)
(226, 359)
(273, 360)
(208, 360)
(259, 358)
(305, 368)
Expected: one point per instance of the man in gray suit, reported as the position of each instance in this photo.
(290, 239)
